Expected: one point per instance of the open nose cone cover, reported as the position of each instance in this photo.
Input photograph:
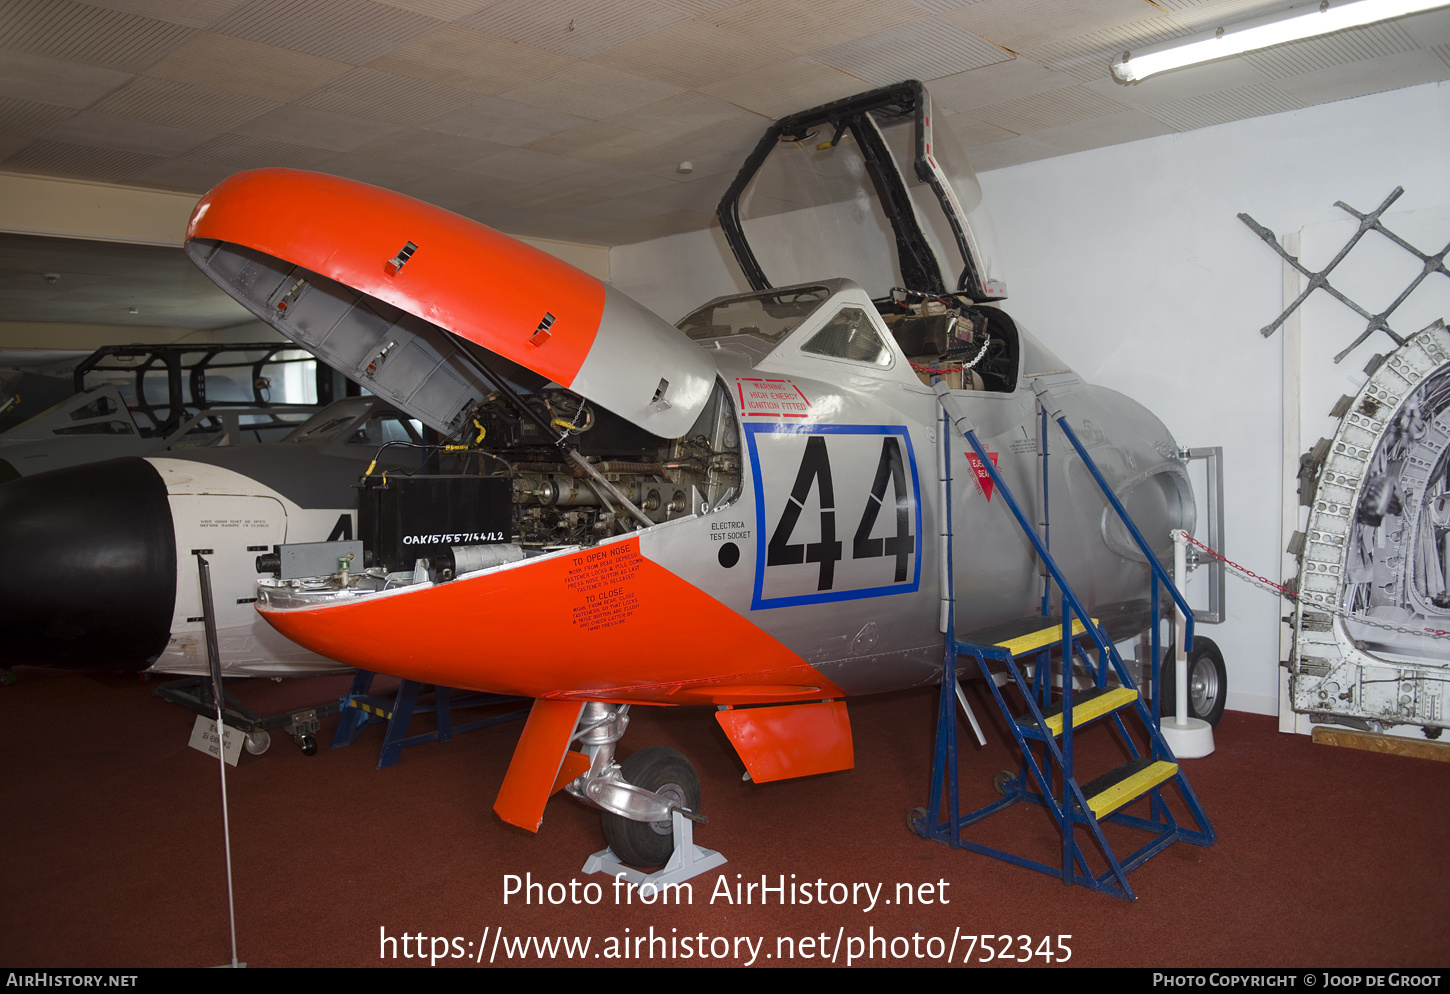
(377, 285)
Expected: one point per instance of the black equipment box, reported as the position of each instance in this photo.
(408, 517)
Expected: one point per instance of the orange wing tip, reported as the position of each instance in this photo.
(792, 740)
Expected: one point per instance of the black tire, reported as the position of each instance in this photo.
(664, 771)
(1207, 682)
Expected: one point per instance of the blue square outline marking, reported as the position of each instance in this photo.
(757, 602)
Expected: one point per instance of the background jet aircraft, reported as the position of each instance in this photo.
(133, 399)
(97, 559)
(742, 512)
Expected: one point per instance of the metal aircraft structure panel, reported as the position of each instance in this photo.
(1371, 622)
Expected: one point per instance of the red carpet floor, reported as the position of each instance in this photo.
(112, 833)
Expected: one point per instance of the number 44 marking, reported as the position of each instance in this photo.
(815, 469)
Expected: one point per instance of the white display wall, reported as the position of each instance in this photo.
(1130, 263)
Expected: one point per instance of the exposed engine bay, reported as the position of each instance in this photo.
(556, 502)
(557, 472)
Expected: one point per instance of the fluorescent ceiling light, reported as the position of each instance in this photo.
(1304, 21)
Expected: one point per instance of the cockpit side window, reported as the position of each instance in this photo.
(850, 335)
(768, 316)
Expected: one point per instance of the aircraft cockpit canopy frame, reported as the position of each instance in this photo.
(879, 164)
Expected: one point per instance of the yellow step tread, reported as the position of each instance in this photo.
(1094, 707)
(1042, 637)
(1114, 796)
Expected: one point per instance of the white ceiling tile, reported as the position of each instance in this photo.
(1008, 80)
(89, 35)
(351, 31)
(689, 112)
(1028, 24)
(384, 96)
(423, 146)
(443, 10)
(1205, 15)
(316, 127)
(944, 6)
(579, 28)
(592, 91)
(183, 174)
(238, 152)
(692, 54)
(1048, 109)
(698, 8)
(458, 56)
(1428, 29)
(24, 76)
(30, 118)
(83, 161)
(182, 105)
(969, 131)
(1295, 58)
(1222, 106)
(241, 66)
(598, 142)
(503, 121)
(807, 27)
(524, 165)
(92, 128)
(925, 49)
(194, 13)
(782, 89)
(1365, 76)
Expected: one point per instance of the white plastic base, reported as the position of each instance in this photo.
(688, 860)
(1191, 740)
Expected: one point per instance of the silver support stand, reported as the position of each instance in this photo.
(214, 662)
(688, 860)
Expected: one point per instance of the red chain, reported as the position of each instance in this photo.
(1292, 595)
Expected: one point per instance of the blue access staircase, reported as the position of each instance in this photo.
(1055, 710)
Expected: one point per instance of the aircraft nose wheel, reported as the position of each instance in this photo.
(668, 773)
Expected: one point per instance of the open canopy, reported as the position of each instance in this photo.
(872, 188)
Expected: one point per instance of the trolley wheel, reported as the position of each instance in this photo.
(308, 744)
(258, 742)
(916, 821)
(1001, 780)
(669, 774)
(1207, 682)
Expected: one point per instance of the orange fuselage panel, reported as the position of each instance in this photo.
(597, 624)
(352, 233)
